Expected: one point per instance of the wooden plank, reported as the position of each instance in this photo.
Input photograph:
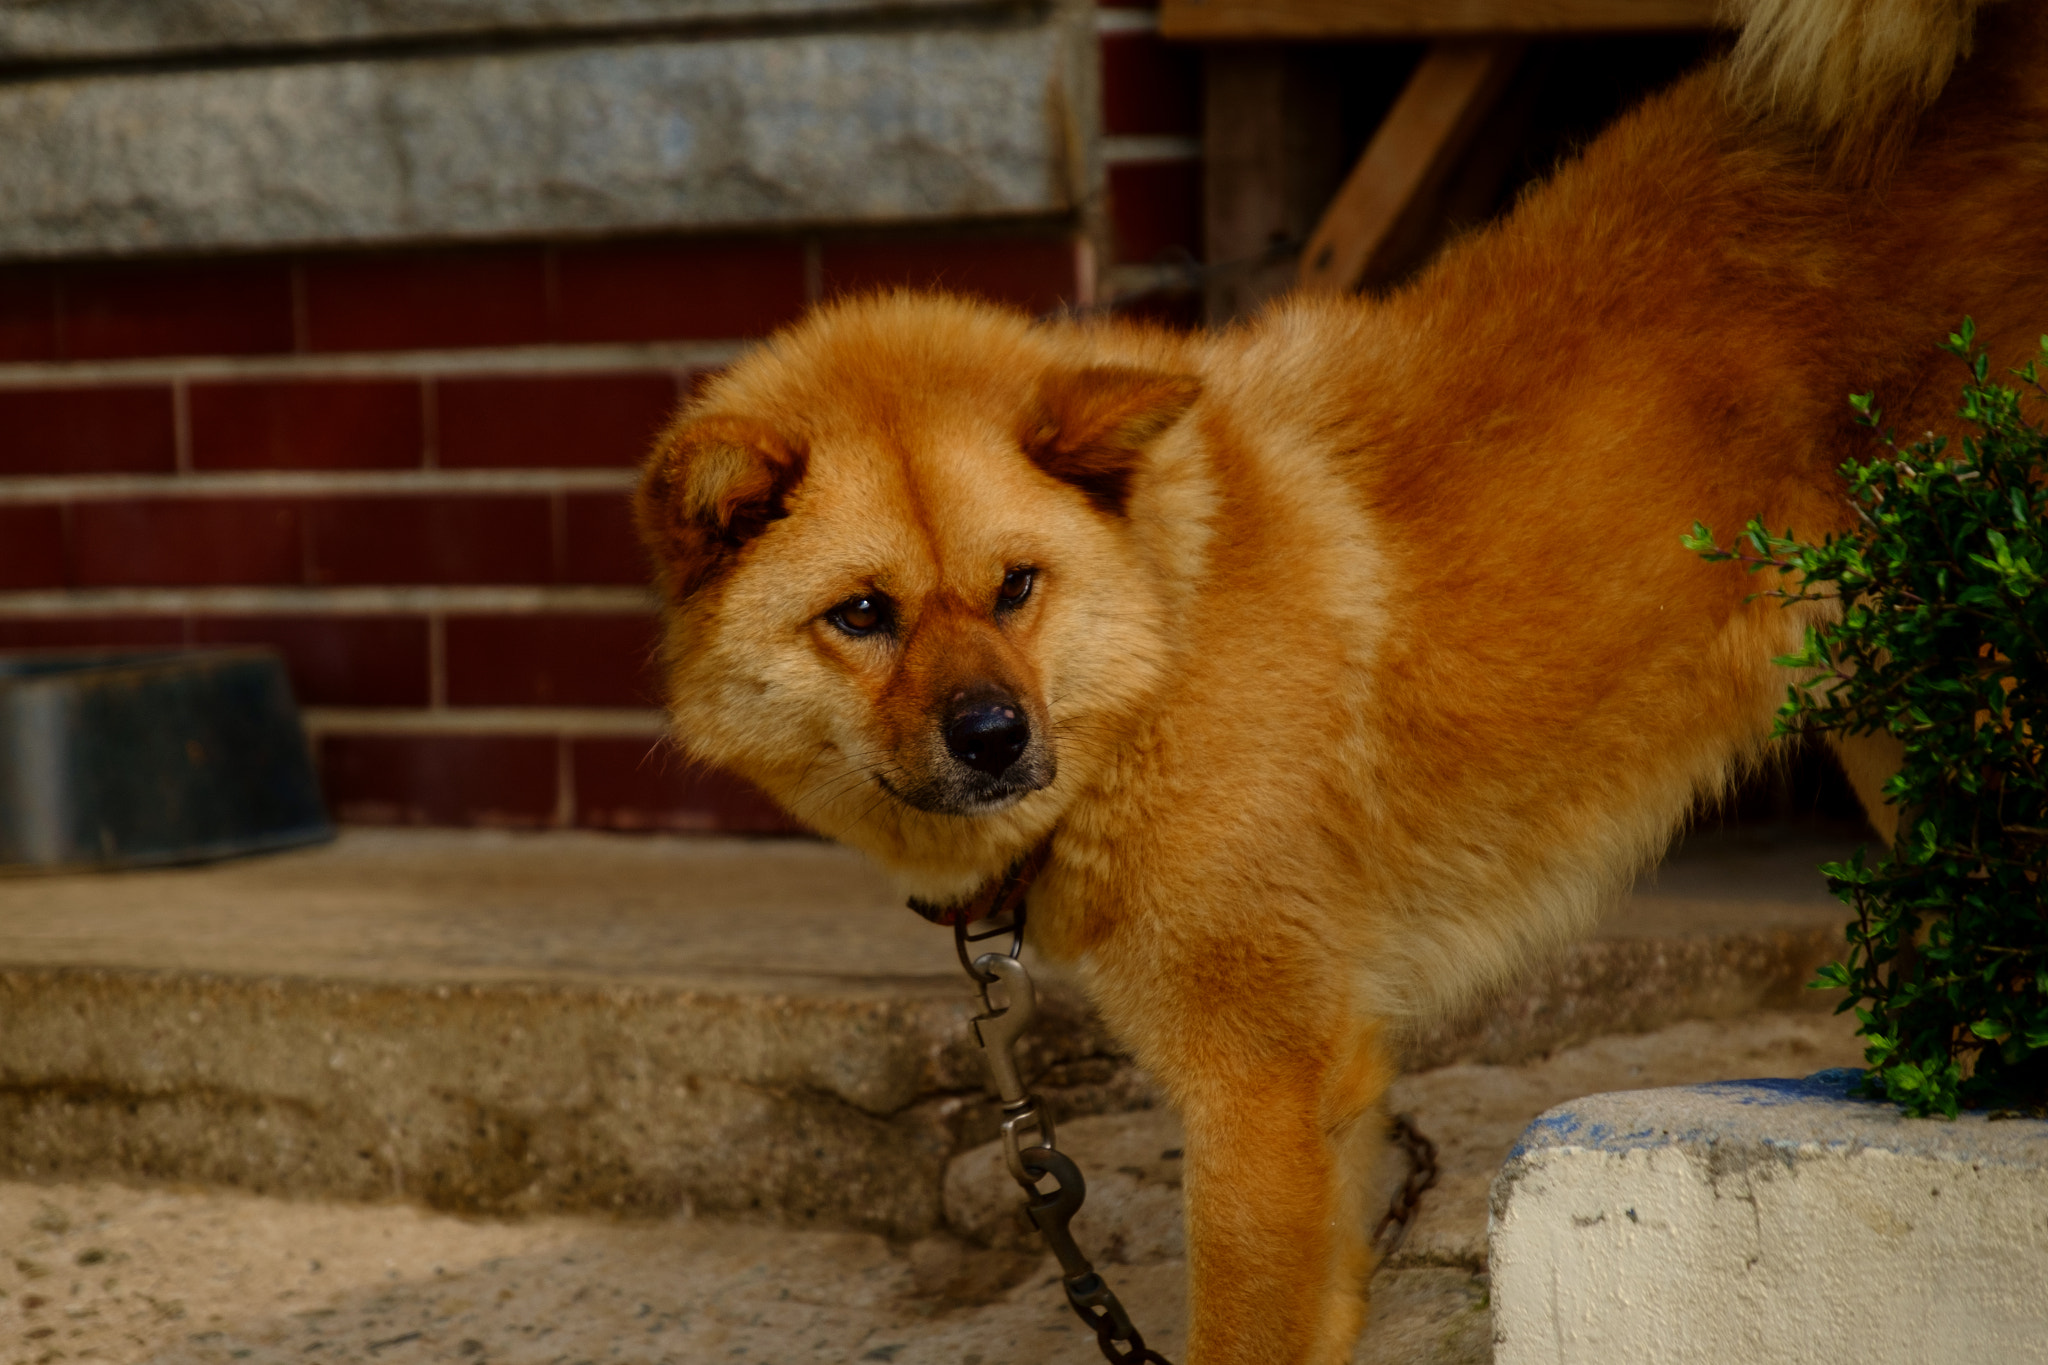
(1212, 20)
(1411, 154)
(1272, 155)
(1244, 175)
(1470, 194)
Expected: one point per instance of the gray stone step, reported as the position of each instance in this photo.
(1729, 923)
(199, 1277)
(499, 1023)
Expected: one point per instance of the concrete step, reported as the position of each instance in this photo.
(498, 1023)
(1729, 923)
(195, 1277)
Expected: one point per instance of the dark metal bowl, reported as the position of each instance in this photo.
(138, 759)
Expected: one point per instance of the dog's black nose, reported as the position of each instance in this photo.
(988, 733)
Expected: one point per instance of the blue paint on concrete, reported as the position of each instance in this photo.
(1565, 1127)
(1817, 1111)
(1834, 1084)
(1841, 1077)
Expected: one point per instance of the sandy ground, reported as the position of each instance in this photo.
(115, 1273)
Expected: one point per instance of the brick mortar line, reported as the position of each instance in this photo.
(265, 483)
(562, 722)
(1126, 21)
(540, 361)
(287, 601)
(1125, 149)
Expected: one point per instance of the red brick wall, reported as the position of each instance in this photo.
(407, 472)
(1152, 126)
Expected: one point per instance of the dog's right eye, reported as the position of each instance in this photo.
(867, 614)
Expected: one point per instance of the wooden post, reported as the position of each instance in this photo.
(1272, 155)
(1395, 182)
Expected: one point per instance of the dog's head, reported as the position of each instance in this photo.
(909, 585)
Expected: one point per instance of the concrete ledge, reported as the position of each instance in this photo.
(1627, 984)
(884, 126)
(815, 1107)
(1730, 923)
(85, 30)
(499, 1023)
(488, 1023)
(1769, 1221)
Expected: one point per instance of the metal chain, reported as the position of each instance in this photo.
(1422, 1173)
(1051, 1210)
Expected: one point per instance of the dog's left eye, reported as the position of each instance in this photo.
(1016, 587)
(867, 614)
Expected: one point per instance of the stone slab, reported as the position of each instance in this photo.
(1430, 1298)
(1475, 1114)
(484, 906)
(1729, 923)
(781, 130)
(490, 1023)
(184, 1276)
(82, 30)
(189, 1277)
(497, 1022)
(1742, 880)
(1770, 1221)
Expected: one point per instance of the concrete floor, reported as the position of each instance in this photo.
(490, 906)
(479, 905)
(390, 1015)
(123, 1273)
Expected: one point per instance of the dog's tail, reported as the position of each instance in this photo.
(1850, 75)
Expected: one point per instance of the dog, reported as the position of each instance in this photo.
(1338, 663)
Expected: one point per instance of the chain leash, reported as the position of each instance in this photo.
(1422, 1173)
(996, 1032)
(1052, 1209)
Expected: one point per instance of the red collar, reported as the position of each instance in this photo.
(996, 896)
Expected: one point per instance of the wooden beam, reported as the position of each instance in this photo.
(1408, 159)
(1244, 175)
(1272, 155)
(1219, 20)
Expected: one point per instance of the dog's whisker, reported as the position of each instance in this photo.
(840, 784)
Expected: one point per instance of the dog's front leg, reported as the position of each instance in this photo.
(1280, 1130)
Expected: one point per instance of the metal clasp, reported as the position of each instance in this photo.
(997, 1031)
(1030, 1113)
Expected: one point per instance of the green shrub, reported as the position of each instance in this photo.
(1942, 646)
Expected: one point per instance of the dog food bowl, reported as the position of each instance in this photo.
(112, 760)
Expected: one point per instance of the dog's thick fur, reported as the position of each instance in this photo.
(1362, 659)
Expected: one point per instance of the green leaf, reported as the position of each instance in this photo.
(1701, 542)
(1943, 644)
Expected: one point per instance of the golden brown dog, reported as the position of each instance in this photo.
(1349, 657)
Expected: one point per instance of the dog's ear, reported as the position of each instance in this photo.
(710, 486)
(1088, 427)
